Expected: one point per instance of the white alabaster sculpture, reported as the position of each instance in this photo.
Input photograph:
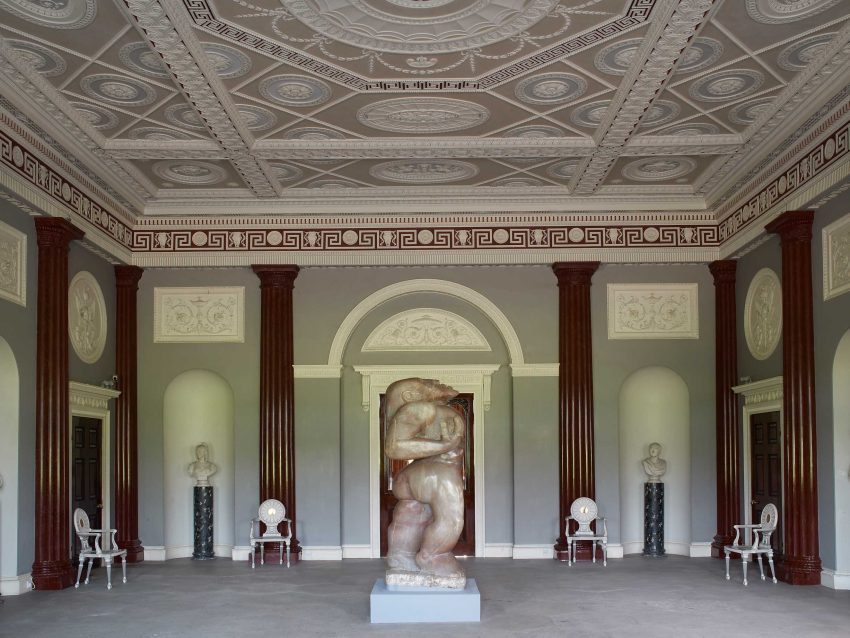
(654, 466)
(202, 468)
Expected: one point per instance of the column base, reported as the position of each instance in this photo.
(135, 550)
(798, 570)
(561, 550)
(52, 575)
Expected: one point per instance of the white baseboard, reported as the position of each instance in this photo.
(356, 551)
(241, 552)
(15, 585)
(533, 551)
(615, 550)
(700, 550)
(498, 550)
(154, 553)
(321, 552)
(632, 547)
(223, 551)
(178, 551)
(835, 580)
(676, 548)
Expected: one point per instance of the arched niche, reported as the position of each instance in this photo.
(198, 408)
(9, 419)
(654, 406)
(841, 432)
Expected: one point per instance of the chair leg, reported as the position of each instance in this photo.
(604, 554)
(80, 571)
(108, 564)
(287, 554)
(761, 567)
(280, 548)
(569, 553)
(124, 568)
(727, 564)
(593, 549)
(262, 553)
(88, 573)
(253, 552)
(772, 570)
(744, 561)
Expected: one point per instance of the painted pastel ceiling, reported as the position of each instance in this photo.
(187, 106)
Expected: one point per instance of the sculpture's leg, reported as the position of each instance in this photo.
(772, 570)
(727, 564)
(761, 567)
(124, 568)
(88, 573)
(108, 563)
(80, 571)
(440, 537)
(744, 560)
(404, 535)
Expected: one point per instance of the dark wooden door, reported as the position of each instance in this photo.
(86, 472)
(766, 464)
(465, 546)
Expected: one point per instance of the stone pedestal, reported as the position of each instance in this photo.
(203, 523)
(653, 519)
(424, 604)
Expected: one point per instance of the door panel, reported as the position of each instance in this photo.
(86, 471)
(766, 464)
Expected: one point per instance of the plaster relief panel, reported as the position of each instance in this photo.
(425, 329)
(836, 258)
(653, 311)
(199, 315)
(13, 265)
(763, 314)
(86, 317)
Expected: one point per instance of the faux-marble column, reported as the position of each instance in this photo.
(52, 566)
(126, 428)
(800, 562)
(277, 390)
(726, 404)
(576, 471)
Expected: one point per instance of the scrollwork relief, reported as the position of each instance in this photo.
(653, 311)
(199, 314)
(13, 262)
(425, 329)
(836, 258)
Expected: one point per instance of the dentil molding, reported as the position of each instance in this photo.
(199, 315)
(653, 311)
(836, 258)
(764, 391)
(13, 264)
(90, 397)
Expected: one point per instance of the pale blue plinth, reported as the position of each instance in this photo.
(425, 605)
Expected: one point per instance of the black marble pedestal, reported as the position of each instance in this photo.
(653, 519)
(203, 523)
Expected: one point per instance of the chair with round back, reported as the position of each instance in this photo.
(272, 514)
(584, 512)
(90, 548)
(761, 531)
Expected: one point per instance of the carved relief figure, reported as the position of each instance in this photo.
(202, 468)
(85, 330)
(428, 518)
(654, 466)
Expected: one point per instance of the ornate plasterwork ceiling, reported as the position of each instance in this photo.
(202, 108)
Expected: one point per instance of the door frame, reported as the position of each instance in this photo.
(92, 401)
(474, 379)
(759, 397)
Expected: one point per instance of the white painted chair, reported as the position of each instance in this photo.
(90, 548)
(584, 512)
(760, 545)
(272, 513)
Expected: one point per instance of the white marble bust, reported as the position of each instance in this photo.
(202, 468)
(654, 466)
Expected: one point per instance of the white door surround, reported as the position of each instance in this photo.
(474, 379)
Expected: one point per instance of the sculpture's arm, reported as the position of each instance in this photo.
(403, 440)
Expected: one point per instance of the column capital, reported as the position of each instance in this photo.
(793, 225)
(276, 276)
(723, 271)
(55, 232)
(128, 276)
(574, 272)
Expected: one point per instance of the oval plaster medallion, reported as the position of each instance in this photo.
(56, 14)
(763, 314)
(730, 84)
(691, 129)
(97, 116)
(285, 172)
(550, 88)
(256, 117)
(48, 63)
(423, 171)
(156, 134)
(563, 170)
(117, 89)
(228, 62)
(534, 131)
(295, 90)
(590, 114)
(189, 172)
(422, 115)
(797, 56)
(184, 116)
(776, 11)
(86, 317)
(748, 112)
(312, 133)
(656, 169)
(139, 57)
(660, 112)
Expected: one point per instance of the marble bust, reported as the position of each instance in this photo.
(654, 466)
(202, 468)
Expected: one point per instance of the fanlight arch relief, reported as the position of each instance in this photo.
(421, 329)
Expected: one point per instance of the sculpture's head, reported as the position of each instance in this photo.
(202, 453)
(654, 449)
(415, 389)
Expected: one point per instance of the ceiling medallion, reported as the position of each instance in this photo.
(56, 14)
(748, 112)
(97, 116)
(590, 114)
(701, 54)
(313, 133)
(228, 62)
(156, 134)
(332, 184)
(656, 169)
(563, 170)
(42, 59)
(550, 88)
(256, 118)
(190, 173)
(534, 131)
(139, 57)
(799, 55)
(285, 172)
(422, 115)
(661, 112)
(423, 171)
(691, 129)
(420, 4)
(619, 57)
(776, 11)
(184, 116)
(295, 90)
(117, 89)
(726, 85)
(517, 182)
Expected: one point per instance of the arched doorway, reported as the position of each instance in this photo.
(9, 420)
(841, 447)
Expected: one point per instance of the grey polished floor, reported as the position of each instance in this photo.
(631, 597)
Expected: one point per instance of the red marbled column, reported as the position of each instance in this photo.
(800, 562)
(52, 566)
(576, 470)
(726, 403)
(277, 390)
(126, 429)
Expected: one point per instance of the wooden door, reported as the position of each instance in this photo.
(766, 468)
(465, 546)
(86, 472)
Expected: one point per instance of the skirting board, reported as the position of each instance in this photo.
(677, 548)
(534, 551)
(15, 585)
(321, 552)
(154, 553)
(498, 550)
(835, 580)
(356, 551)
